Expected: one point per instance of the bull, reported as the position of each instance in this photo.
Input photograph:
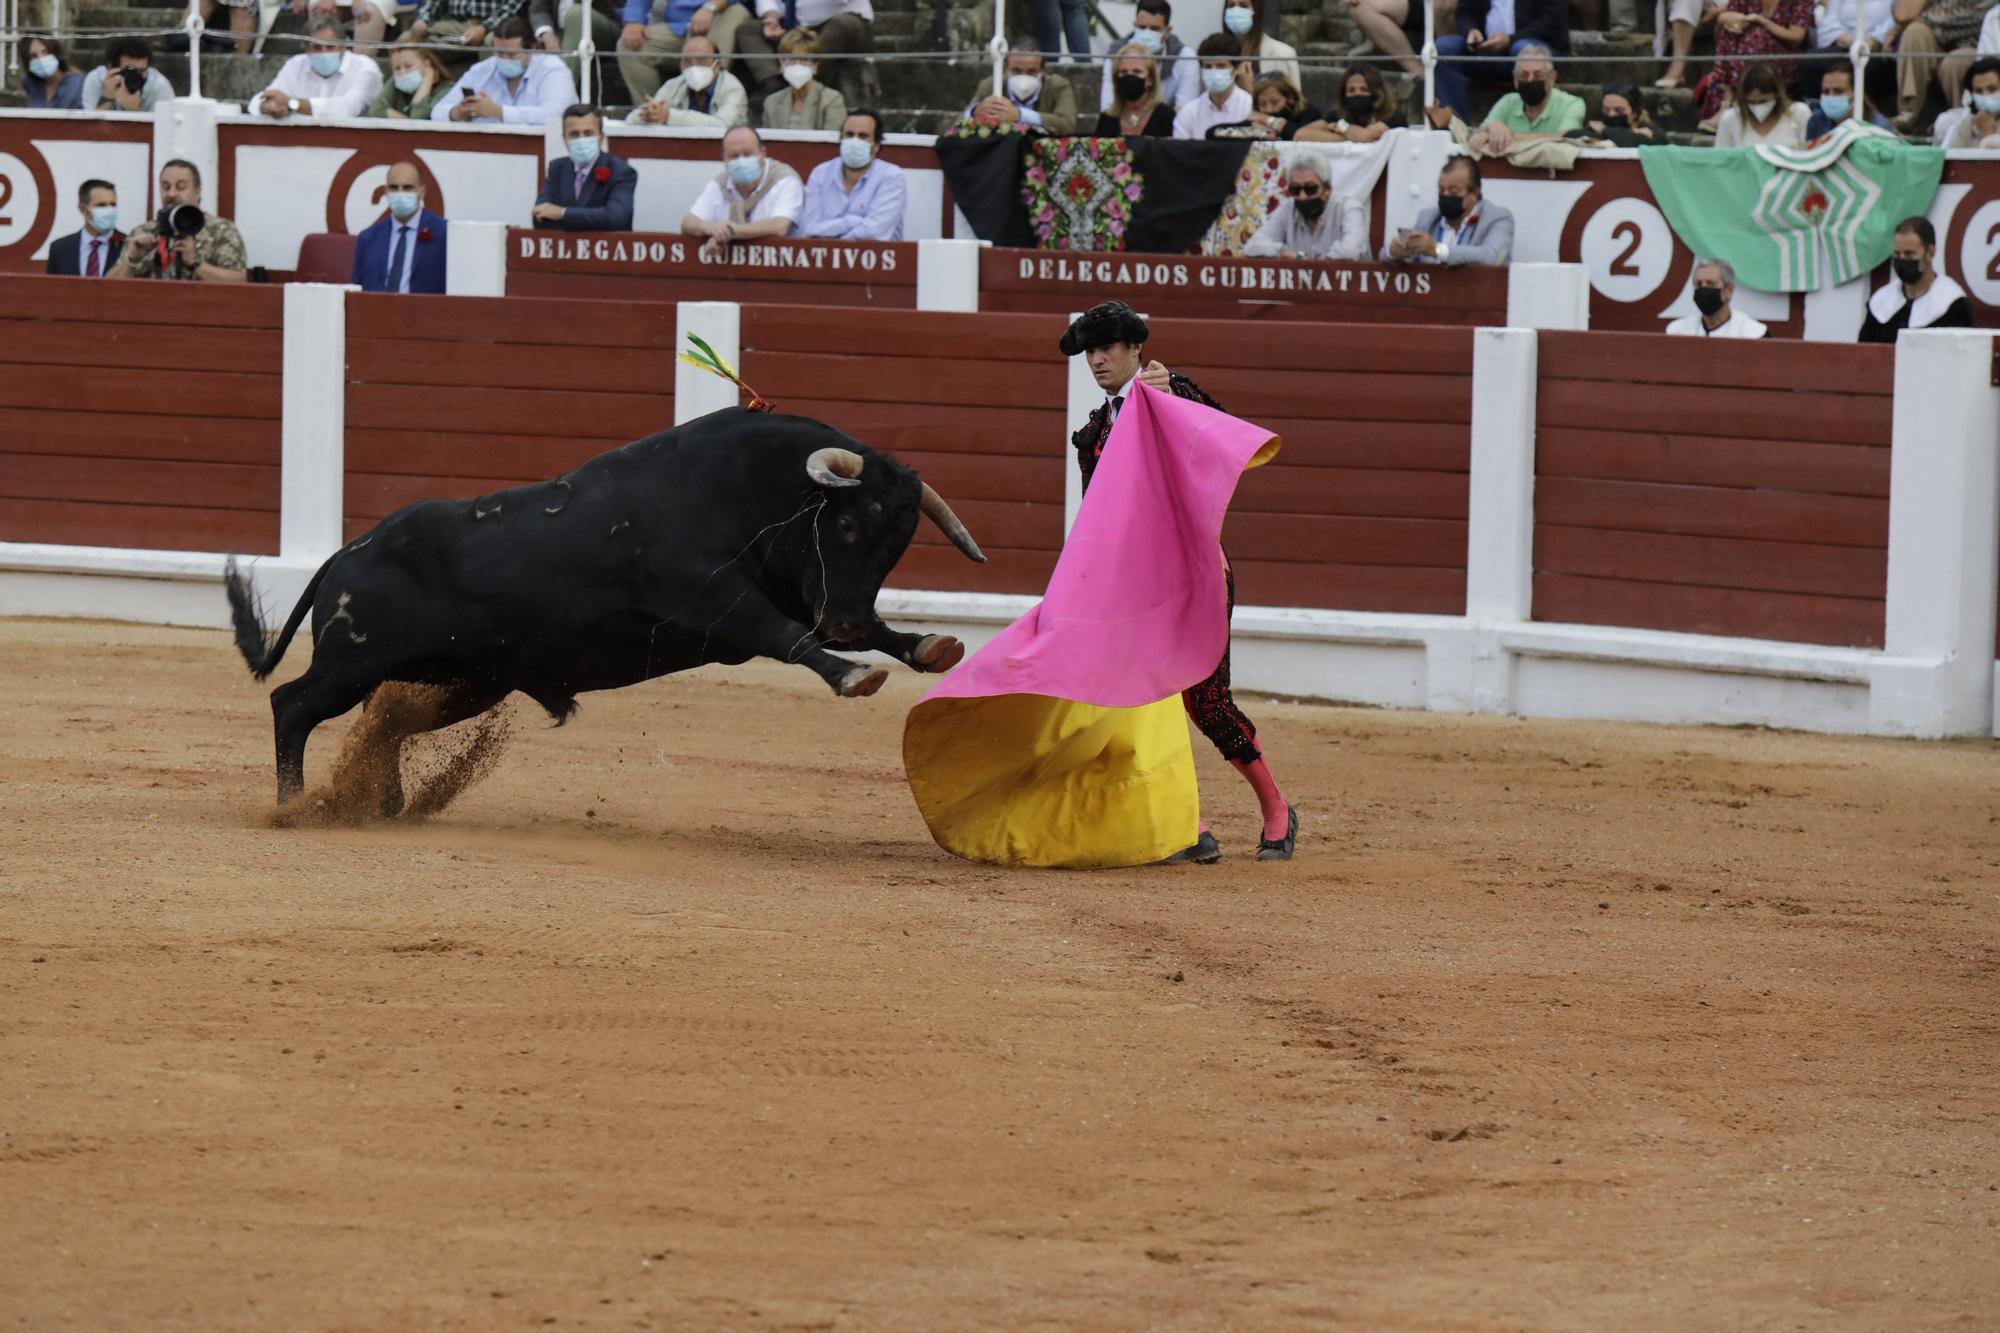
(738, 535)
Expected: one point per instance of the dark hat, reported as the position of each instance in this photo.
(1103, 324)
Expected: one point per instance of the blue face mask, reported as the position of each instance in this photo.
(326, 64)
(104, 219)
(1147, 37)
(511, 69)
(745, 170)
(1836, 107)
(403, 203)
(409, 81)
(583, 151)
(1987, 102)
(1217, 81)
(856, 153)
(42, 67)
(1239, 20)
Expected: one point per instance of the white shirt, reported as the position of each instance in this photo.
(728, 104)
(1113, 399)
(546, 89)
(407, 233)
(102, 244)
(1499, 18)
(347, 93)
(1924, 311)
(1988, 44)
(1871, 18)
(1342, 232)
(1274, 57)
(812, 13)
(1193, 120)
(1738, 325)
(1789, 132)
(787, 199)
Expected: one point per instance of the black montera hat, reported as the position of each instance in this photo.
(1103, 324)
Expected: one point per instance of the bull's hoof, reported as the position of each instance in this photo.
(862, 682)
(937, 652)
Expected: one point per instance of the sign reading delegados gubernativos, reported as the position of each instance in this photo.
(667, 252)
(1219, 273)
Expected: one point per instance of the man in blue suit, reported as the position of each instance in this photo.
(592, 191)
(403, 252)
(90, 253)
(1464, 228)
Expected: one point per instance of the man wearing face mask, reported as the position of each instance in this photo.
(403, 251)
(514, 85)
(90, 253)
(657, 29)
(703, 94)
(1536, 109)
(1916, 296)
(1311, 223)
(1223, 101)
(856, 196)
(1152, 30)
(592, 188)
(1984, 121)
(1031, 100)
(1464, 228)
(754, 197)
(1714, 295)
(328, 80)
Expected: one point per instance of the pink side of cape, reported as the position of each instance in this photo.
(1133, 612)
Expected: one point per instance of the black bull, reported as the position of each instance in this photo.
(738, 535)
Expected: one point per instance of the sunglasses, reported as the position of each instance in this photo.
(1304, 191)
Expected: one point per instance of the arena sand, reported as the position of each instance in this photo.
(679, 1020)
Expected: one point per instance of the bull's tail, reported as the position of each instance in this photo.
(259, 649)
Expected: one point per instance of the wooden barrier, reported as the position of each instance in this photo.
(643, 266)
(1364, 509)
(459, 396)
(973, 402)
(1735, 488)
(140, 414)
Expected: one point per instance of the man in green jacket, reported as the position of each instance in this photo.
(1536, 109)
(1028, 95)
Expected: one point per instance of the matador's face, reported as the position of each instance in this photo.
(1114, 364)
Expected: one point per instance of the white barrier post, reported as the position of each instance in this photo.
(1430, 54)
(586, 65)
(184, 128)
(720, 325)
(1548, 296)
(1936, 675)
(475, 258)
(948, 274)
(1500, 526)
(313, 435)
(1084, 396)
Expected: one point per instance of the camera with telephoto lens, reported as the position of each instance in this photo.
(176, 221)
(135, 78)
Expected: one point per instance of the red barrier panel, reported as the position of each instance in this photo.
(649, 266)
(1735, 488)
(140, 414)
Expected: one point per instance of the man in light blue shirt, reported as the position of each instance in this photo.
(856, 196)
(514, 84)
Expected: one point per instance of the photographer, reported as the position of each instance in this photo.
(183, 243)
(126, 81)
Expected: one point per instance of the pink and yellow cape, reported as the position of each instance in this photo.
(1063, 741)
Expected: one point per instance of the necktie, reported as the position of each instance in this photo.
(96, 268)
(396, 258)
(1116, 404)
(577, 190)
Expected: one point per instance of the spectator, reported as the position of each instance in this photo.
(126, 81)
(1280, 109)
(1059, 19)
(1916, 296)
(1153, 32)
(1685, 18)
(1622, 121)
(804, 103)
(1464, 228)
(657, 29)
(703, 93)
(753, 196)
(242, 23)
(1393, 28)
(47, 78)
(1137, 110)
(514, 84)
(1536, 109)
(1262, 53)
(856, 196)
(1938, 42)
(1222, 102)
(404, 250)
(1753, 28)
(1311, 223)
(1368, 110)
(592, 190)
(1763, 115)
(327, 80)
(1954, 71)
(1974, 130)
(844, 28)
(1839, 23)
(417, 83)
(1714, 298)
(213, 254)
(93, 251)
(466, 22)
(606, 19)
(1492, 32)
(1836, 103)
(1048, 105)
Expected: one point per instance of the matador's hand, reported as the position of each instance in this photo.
(1154, 376)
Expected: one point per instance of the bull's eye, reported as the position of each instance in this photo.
(850, 531)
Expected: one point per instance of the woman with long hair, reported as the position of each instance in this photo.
(1368, 110)
(1137, 110)
(1762, 113)
(1281, 109)
(1262, 53)
(47, 77)
(1775, 28)
(417, 82)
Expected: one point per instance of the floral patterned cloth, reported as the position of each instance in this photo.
(1753, 42)
(1262, 182)
(1080, 193)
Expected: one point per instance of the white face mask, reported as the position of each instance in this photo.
(1239, 20)
(1762, 110)
(1023, 87)
(798, 75)
(1217, 81)
(698, 77)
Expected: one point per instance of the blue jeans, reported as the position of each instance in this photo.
(1454, 67)
(1054, 18)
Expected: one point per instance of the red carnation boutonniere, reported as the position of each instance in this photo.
(1813, 205)
(602, 174)
(423, 234)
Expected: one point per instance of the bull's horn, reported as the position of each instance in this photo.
(938, 512)
(835, 467)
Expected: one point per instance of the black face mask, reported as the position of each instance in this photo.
(1451, 207)
(1131, 87)
(1310, 209)
(1361, 107)
(1533, 93)
(1708, 300)
(1907, 270)
(1617, 122)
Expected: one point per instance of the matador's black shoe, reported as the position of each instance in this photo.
(1280, 849)
(1205, 852)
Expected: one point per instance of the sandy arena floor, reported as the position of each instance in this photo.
(681, 1021)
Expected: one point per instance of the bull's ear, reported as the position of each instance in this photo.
(835, 467)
